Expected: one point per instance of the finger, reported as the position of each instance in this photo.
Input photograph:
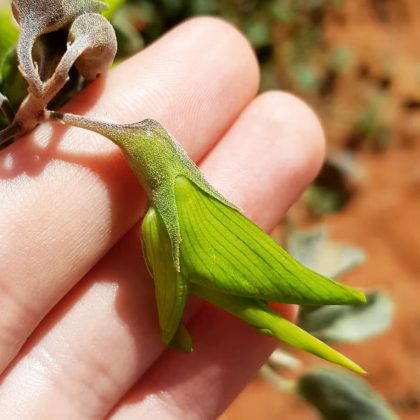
(68, 196)
(106, 335)
(227, 353)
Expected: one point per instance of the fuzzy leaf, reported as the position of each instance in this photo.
(95, 39)
(315, 250)
(50, 15)
(40, 17)
(341, 395)
(349, 323)
(222, 249)
(171, 289)
(258, 314)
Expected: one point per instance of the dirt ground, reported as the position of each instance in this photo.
(383, 216)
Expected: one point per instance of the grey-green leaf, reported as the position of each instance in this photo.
(224, 250)
(94, 38)
(40, 17)
(350, 323)
(314, 249)
(341, 395)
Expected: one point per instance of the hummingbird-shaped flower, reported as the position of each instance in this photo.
(196, 242)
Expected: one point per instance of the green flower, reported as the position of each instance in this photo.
(196, 242)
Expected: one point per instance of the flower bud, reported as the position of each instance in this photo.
(195, 241)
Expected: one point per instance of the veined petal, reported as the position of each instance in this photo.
(260, 316)
(222, 249)
(171, 288)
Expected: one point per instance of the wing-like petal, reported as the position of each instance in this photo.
(171, 288)
(222, 249)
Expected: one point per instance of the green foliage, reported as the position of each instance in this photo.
(347, 323)
(289, 38)
(112, 7)
(9, 33)
(341, 395)
(333, 323)
(322, 200)
(370, 127)
(12, 83)
(316, 250)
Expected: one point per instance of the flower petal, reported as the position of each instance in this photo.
(182, 340)
(222, 249)
(171, 289)
(260, 316)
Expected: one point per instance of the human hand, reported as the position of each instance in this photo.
(73, 283)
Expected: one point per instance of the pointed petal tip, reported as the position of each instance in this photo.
(349, 364)
(351, 296)
(166, 337)
(357, 297)
(362, 297)
(180, 341)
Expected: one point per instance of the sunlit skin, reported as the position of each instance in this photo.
(68, 219)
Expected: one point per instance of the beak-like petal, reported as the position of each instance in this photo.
(223, 250)
(260, 316)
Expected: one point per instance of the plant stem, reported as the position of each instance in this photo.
(6, 108)
(10, 132)
(31, 111)
(272, 377)
(281, 359)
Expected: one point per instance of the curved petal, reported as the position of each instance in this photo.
(171, 288)
(222, 249)
(260, 316)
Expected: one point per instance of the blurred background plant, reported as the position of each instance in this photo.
(357, 63)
